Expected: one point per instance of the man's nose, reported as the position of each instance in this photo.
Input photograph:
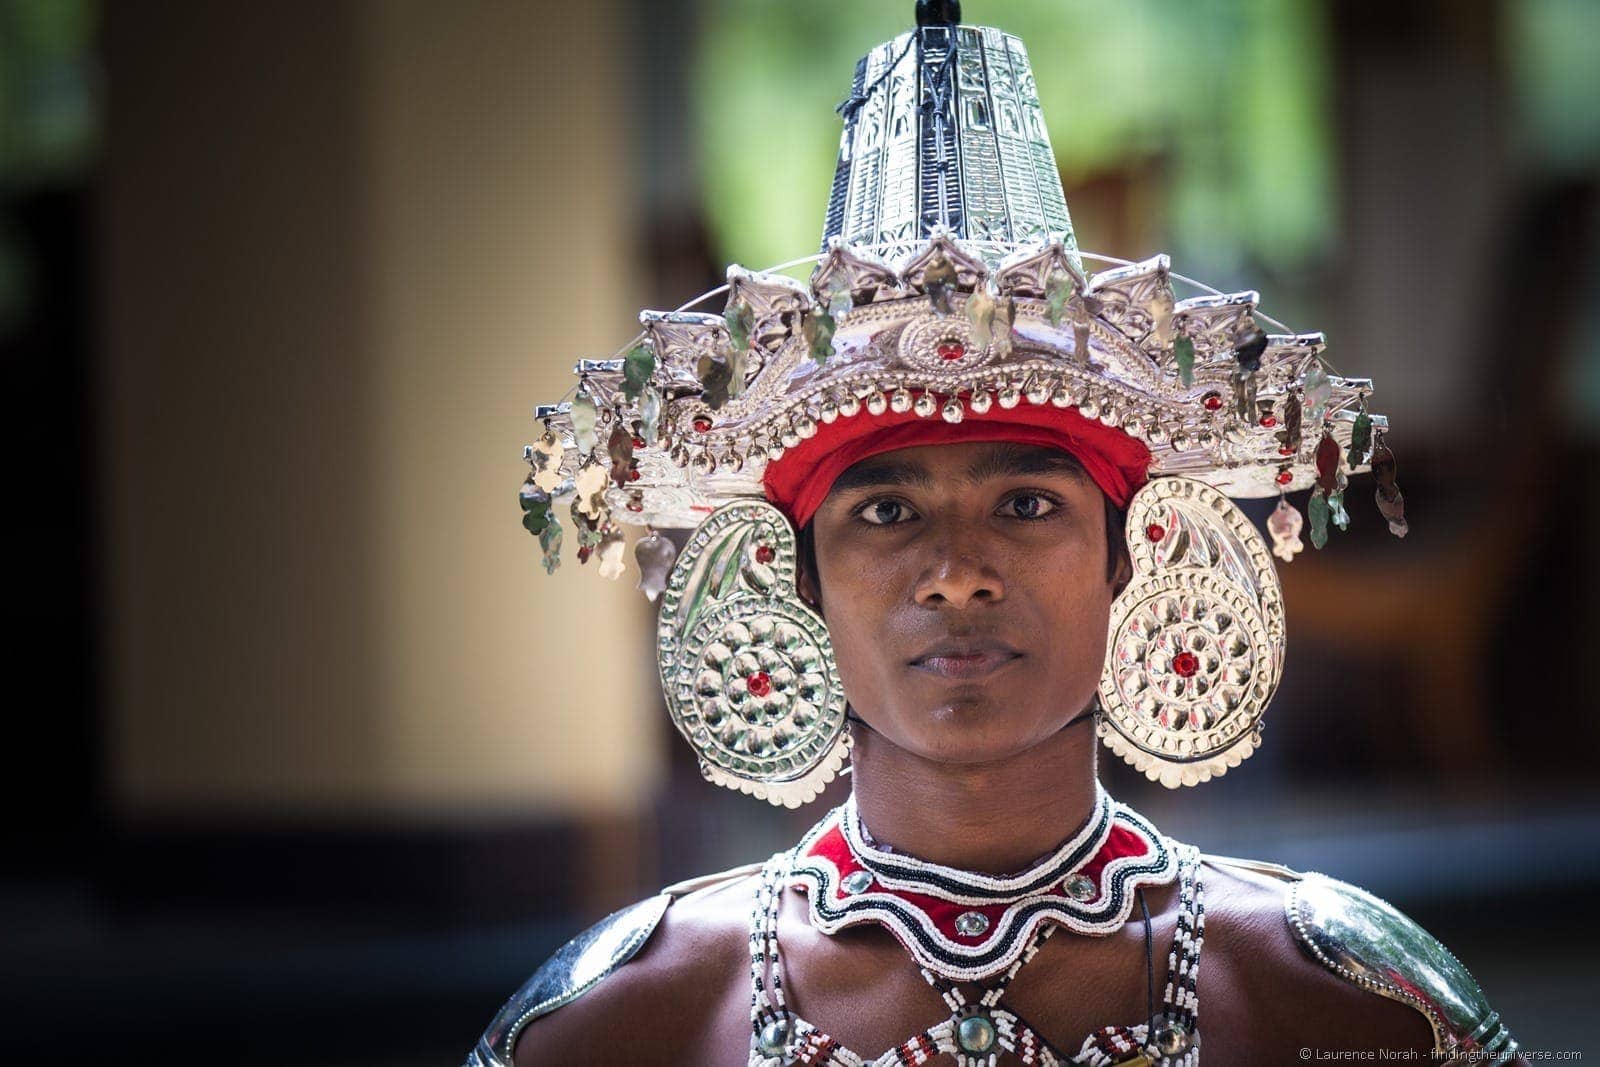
(955, 570)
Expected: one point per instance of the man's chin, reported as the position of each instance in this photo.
(981, 727)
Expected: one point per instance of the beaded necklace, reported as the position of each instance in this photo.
(977, 1031)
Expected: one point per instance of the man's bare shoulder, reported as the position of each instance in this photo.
(664, 1000)
(1257, 979)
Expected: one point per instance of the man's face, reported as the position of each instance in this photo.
(967, 593)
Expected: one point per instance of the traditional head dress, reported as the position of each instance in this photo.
(950, 302)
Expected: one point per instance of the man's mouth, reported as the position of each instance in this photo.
(965, 660)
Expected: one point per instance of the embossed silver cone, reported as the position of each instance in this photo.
(943, 129)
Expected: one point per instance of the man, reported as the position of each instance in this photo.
(991, 522)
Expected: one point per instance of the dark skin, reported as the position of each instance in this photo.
(967, 591)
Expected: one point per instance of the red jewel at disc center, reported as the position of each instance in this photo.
(951, 350)
(1186, 664)
(759, 683)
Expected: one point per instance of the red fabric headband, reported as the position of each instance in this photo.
(799, 482)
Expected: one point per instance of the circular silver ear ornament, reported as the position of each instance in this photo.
(746, 667)
(1196, 639)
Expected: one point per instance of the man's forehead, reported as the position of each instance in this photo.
(924, 465)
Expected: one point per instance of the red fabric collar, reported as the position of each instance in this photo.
(800, 480)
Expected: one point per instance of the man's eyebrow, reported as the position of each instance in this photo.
(886, 471)
(1012, 460)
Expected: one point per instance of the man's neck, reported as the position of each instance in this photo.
(993, 818)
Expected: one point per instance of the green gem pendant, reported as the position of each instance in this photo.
(976, 1034)
(1183, 357)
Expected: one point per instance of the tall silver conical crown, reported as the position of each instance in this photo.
(943, 129)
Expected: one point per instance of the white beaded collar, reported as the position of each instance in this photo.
(967, 926)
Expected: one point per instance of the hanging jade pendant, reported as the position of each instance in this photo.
(637, 367)
(1249, 348)
(1336, 512)
(610, 550)
(1318, 390)
(1393, 509)
(535, 508)
(741, 320)
(583, 420)
(1360, 437)
(980, 313)
(1284, 525)
(550, 545)
(545, 457)
(1317, 512)
(715, 377)
(619, 446)
(1057, 291)
(587, 529)
(817, 329)
(591, 488)
(737, 359)
(1391, 502)
(1244, 393)
(939, 278)
(1328, 463)
(650, 416)
(1161, 305)
(1183, 358)
(655, 556)
(1289, 437)
(840, 298)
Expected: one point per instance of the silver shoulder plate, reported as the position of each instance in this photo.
(1371, 944)
(577, 967)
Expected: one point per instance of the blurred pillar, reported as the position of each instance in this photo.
(347, 247)
(1420, 96)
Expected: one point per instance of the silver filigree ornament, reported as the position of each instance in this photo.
(1196, 639)
(746, 667)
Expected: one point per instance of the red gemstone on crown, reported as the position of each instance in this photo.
(759, 683)
(1285, 477)
(1212, 401)
(701, 424)
(633, 475)
(1155, 531)
(638, 442)
(1186, 664)
(765, 554)
(951, 350)
(1269, 420)
(1285, 451)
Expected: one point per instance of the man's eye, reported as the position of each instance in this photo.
(885, 512)
(1027, 506)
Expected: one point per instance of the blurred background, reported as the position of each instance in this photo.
(306, 753)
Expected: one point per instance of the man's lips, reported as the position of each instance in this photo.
(964, 660)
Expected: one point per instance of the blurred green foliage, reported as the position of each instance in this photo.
(47, 112)
(1554, 52)
(48, 120)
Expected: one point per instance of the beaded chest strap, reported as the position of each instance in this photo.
(979, 1030)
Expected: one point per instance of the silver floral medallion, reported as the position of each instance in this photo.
(747, 668)
(1196, 639)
